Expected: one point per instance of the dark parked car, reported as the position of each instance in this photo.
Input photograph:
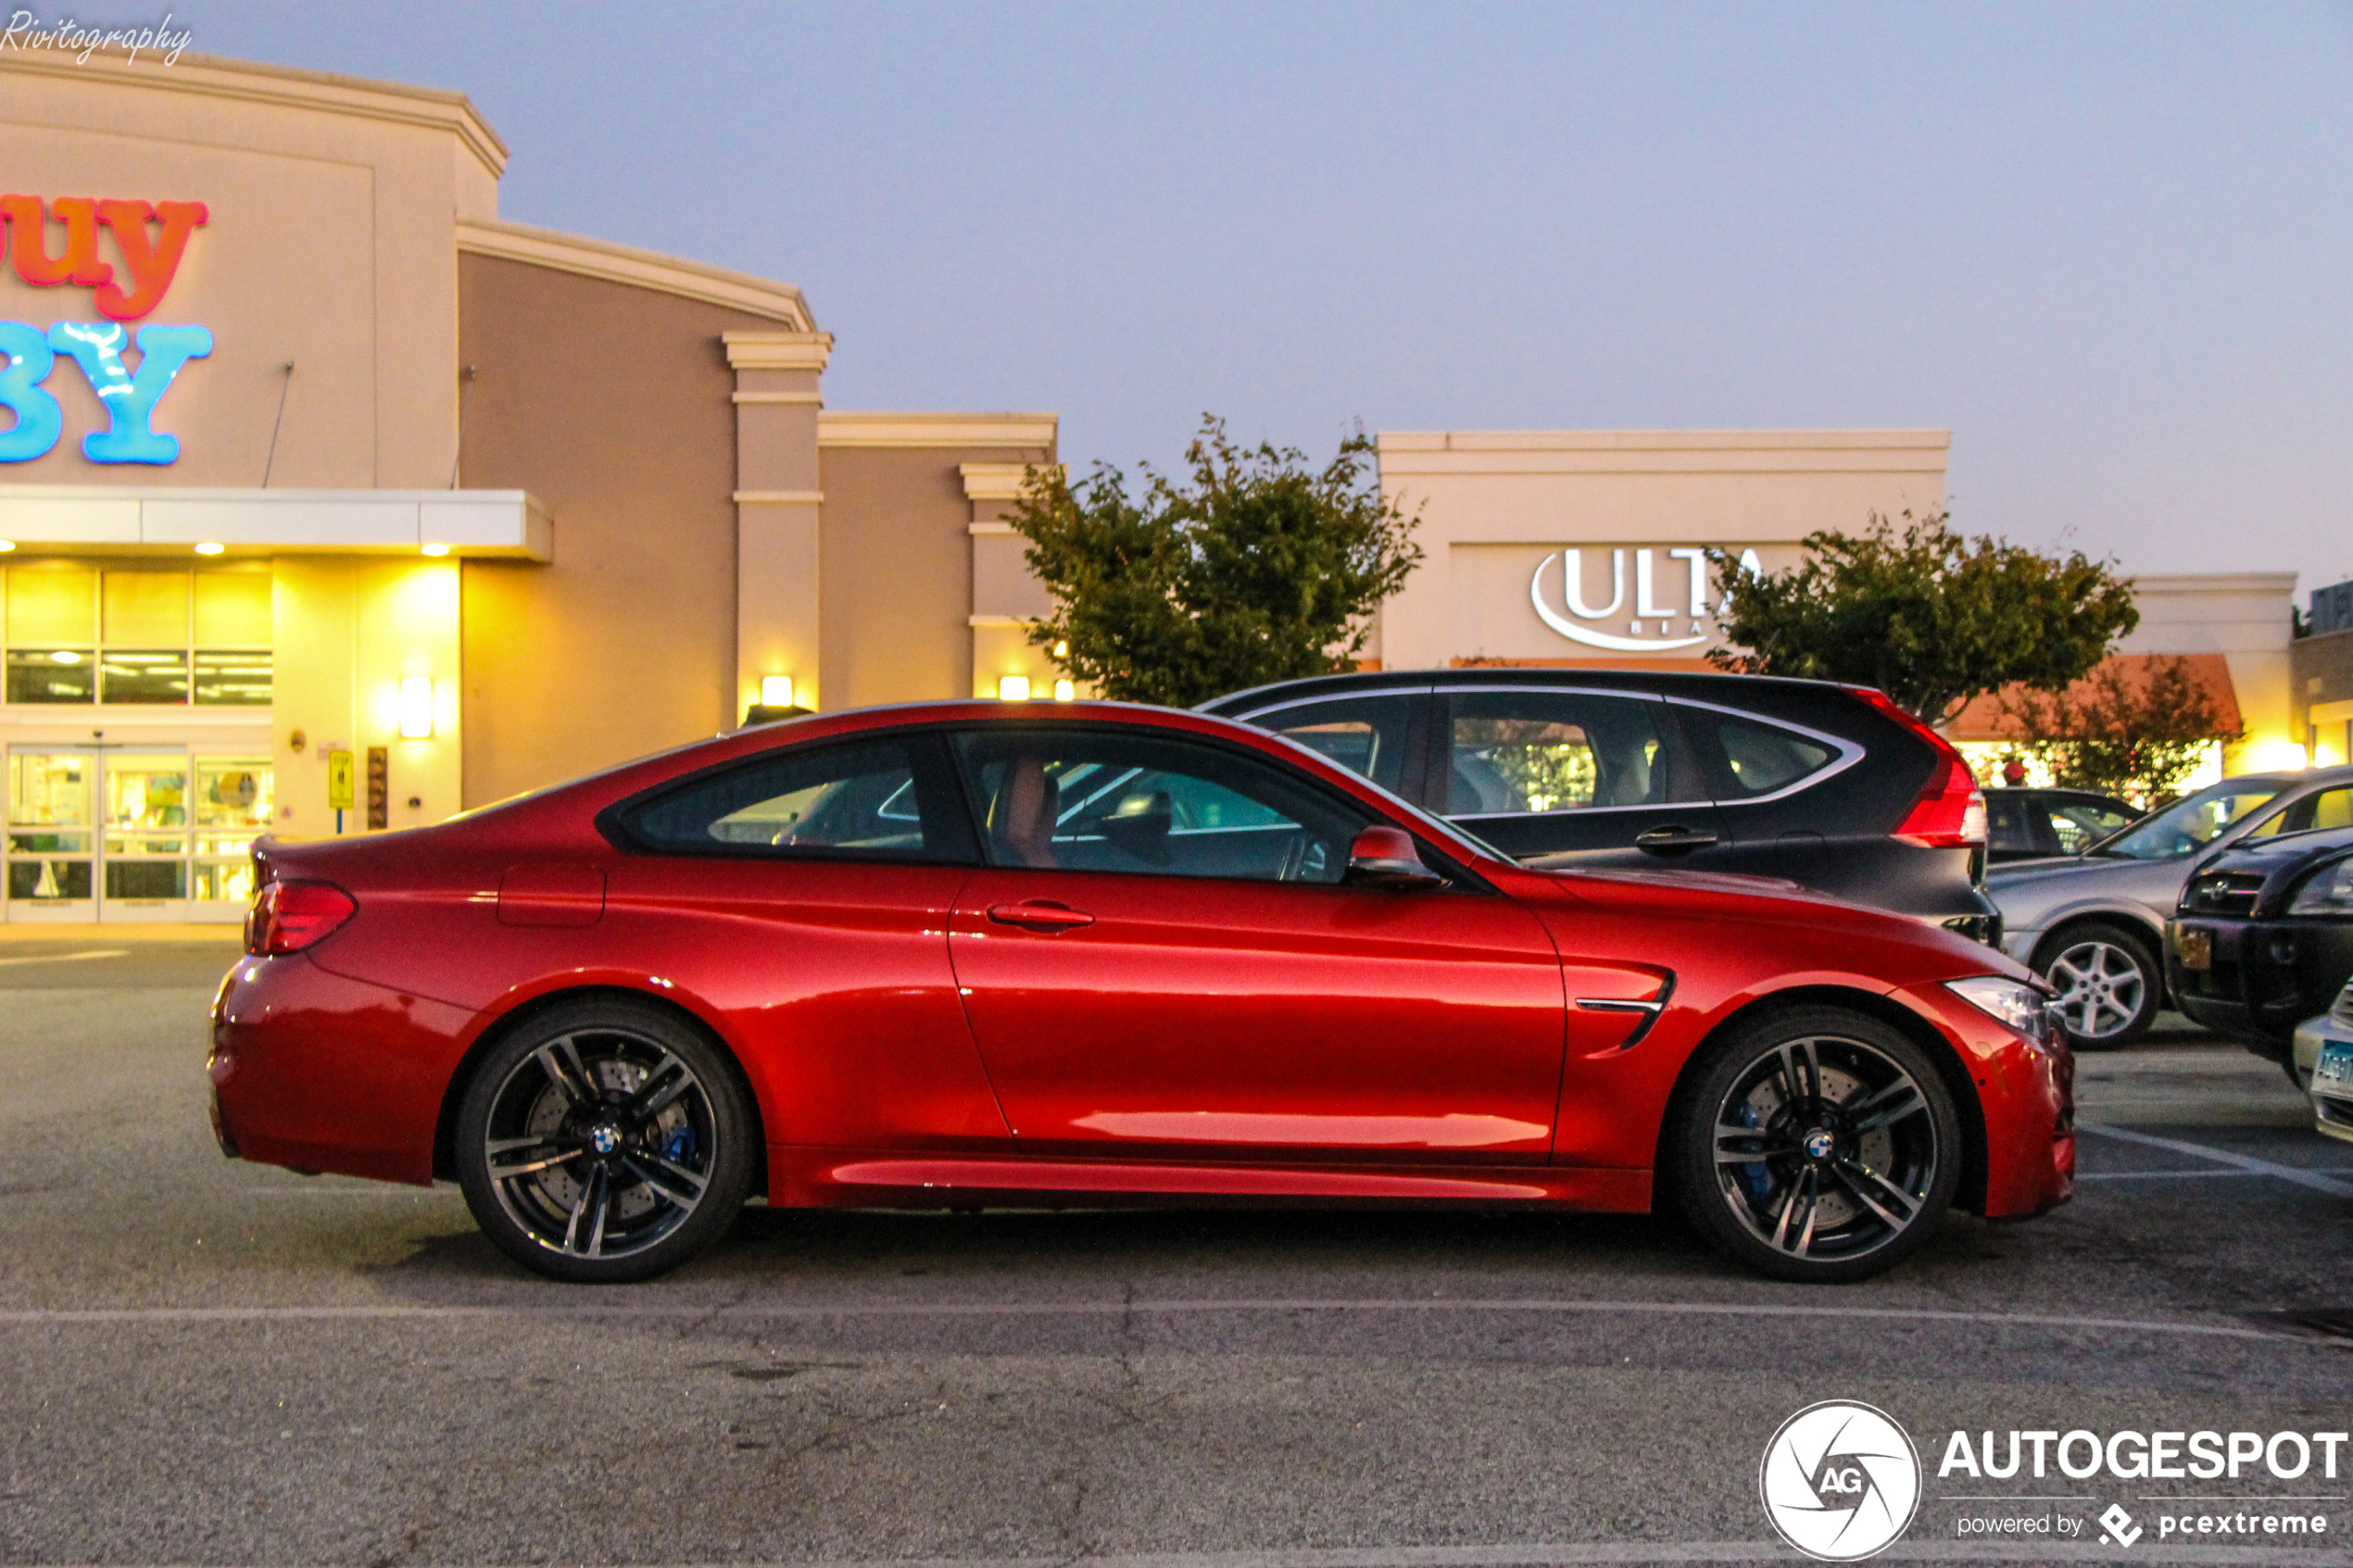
(2035, 825)
(2264, 938)
(1832, 787)
(2094, 925)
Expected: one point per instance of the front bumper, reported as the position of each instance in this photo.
(2026, 1094)
(2266, 975)
(2332, 1107)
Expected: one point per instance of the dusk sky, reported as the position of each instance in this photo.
(2107, 246)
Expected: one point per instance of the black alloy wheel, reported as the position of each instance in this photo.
(2109, 983)
(605, 1142)
(1817, 1144)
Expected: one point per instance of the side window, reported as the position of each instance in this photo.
(1365, 735)
(1756, 758)
(1553, 751)
(2012, 824)
(2328, 808)
(2081, 824)
(858, 801)
(1099, 800)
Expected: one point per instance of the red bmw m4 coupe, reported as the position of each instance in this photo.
(967, 954)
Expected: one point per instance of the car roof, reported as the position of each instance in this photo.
(1630, 676)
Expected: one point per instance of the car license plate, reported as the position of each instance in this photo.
(2335, 1065)
(2196, 949)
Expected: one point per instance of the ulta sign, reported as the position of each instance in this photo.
(149, 239)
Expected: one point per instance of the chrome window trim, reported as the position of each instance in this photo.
(1358, 695)
(1849, 753)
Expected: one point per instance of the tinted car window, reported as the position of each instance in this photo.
(827, 801)
(1106, 801)
(1553, 751)
(1760, 758)
(1365, 735)
(2189, 825)
(2010, 825)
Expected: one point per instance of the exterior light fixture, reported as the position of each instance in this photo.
(7, 544)
(434, 549)
(1064, 691)
(776, 691)
(210, 549)
(1013, 688)
(1062, 650)
(416, 707)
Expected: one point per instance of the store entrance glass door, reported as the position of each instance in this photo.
(51, 851)
(151, 832)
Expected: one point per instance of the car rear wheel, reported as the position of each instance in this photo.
(605, 1142)
(1817, 1144)
(2108, 985)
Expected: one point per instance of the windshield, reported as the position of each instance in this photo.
(2190, 825)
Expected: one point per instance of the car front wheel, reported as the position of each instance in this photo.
(605, 1142)
(2108, 982)
(1817, 1144)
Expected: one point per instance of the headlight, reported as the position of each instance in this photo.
(2328, 891)
(2020, 1006)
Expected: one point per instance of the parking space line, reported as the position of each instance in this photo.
(70, 958)
(2247, 1163)
(757, 1313)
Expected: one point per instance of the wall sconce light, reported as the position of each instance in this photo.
(1064, 691)
(436, 550)
(1013, 688)
(7, 544)
(776, 691)
(210, 549)
(416, 708)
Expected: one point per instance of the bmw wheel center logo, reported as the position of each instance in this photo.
(1840, 1480)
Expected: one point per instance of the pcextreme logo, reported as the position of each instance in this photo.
(1840, 1481)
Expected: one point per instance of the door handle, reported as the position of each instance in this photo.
(1674, 840)
(1039, 915)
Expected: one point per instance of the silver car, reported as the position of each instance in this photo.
(2092, 925)
(2332, 1090)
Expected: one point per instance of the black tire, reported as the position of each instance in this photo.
(1844, 1115)
(604, 1142)
(2110, 981)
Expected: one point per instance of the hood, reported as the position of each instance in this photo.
(2019, 874)
(1850, 929)
(2286, 851)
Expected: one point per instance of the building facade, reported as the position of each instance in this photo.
(334, 503)
(1586, 548)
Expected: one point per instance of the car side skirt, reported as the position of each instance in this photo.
(806, 1177)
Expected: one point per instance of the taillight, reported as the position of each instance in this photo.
(1950, 812)
(289, 916)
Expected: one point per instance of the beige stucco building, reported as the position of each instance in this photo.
(1568, 548)
(334, 503)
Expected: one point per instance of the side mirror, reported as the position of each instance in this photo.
(1384, 856)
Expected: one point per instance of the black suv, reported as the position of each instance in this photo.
(2264, 937)
(1832, 787)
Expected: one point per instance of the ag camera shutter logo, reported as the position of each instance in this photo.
(1841, 1481)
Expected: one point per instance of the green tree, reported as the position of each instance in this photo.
(1928, 617)
(1260, 568)
(2109, 732)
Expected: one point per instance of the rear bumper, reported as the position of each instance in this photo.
(316, 1072)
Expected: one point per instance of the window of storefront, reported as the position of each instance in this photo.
(162, 829)
(79, 633)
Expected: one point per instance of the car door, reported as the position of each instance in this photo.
(1160, 960)
(1602, 778)
(803, 894)
(1765, 775)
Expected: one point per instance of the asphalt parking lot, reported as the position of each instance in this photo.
(207, 1362)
